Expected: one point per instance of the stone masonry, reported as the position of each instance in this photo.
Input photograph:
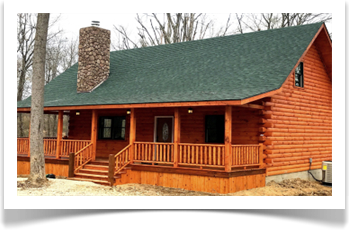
(94, 58)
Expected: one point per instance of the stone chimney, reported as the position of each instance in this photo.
(94, 58)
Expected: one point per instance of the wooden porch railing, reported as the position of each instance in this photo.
(203, 155)
(50, 147)
(23, 146)
(73, 146)
(246, 155)
(151, 152)
(82, 157)
(199, 155)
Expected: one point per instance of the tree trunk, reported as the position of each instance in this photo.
(37, 158)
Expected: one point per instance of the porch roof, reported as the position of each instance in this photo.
(233, 67)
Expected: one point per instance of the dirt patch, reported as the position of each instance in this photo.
(62, 187)
(152, 190)
(26, 184)
(289, 187)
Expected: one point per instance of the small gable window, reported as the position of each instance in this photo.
(214, 129)
(299, 76)
(112, 128)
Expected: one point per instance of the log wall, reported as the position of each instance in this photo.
(80, 126)
(298, 121)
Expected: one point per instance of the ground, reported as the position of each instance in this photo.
(63, 187)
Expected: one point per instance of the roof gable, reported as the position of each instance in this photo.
(225, 68)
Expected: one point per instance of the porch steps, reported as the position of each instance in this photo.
(97, 172)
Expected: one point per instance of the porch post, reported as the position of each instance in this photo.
(94, 133)
(177, 136)
(59, 133)
(227, 138)
(132, 134)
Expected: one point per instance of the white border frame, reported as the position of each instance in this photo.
(156, 126)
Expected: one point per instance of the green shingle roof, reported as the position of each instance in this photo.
(223, 68)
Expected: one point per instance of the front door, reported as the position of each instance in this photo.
(163, 132)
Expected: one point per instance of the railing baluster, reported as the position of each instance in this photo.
(142, 151)
(201, 154)
(180, 153)
(197, 155)
(192, 154)
(145, 151)
(210, 155)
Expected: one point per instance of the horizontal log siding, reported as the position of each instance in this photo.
(244, 124)
(299, 121)
(80, 126)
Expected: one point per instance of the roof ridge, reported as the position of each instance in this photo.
(220, 37)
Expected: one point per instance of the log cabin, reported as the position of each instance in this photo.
(215, 115)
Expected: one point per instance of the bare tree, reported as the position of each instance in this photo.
(25, 47)
(172, 28)
(37, 158)
(239, 19)
(70, 53)
(61, 54)
(26, 28)
(267, 21)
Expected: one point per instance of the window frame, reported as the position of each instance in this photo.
(113, 128)
(220, 130)
(301, 65)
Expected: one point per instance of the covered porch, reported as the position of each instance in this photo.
(179, 138)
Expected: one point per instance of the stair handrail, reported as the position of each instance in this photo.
(118, 155)
(82, 157)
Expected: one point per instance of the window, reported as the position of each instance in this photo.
(298, 76)
(214, 129)
(112, 128)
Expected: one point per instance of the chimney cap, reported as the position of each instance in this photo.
(95, 23)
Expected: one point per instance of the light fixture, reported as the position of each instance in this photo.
(77, 113)
(128, 111)
(190, 110)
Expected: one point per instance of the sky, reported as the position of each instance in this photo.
(71, 23)
(78, 14)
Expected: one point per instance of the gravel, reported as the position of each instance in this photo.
(62, 187)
